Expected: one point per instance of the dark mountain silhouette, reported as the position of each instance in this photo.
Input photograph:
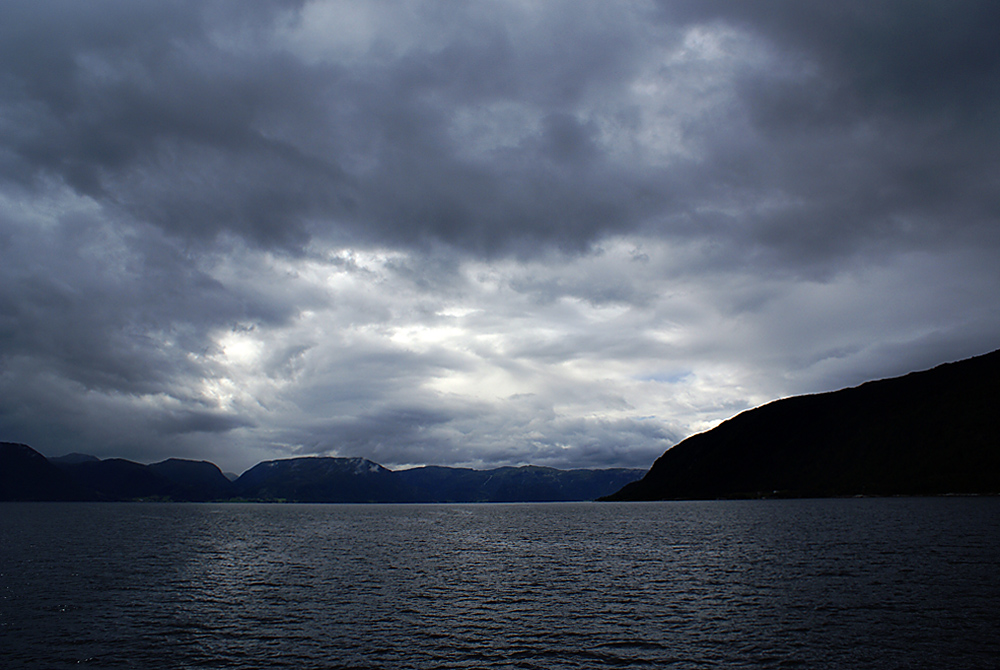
(321, 480)
(528, 483)
(436, 483)
(118, 479)
(928, 433)
(27, 475)
(360, 480)
(194, 480)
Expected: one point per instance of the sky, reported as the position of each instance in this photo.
(481, 233)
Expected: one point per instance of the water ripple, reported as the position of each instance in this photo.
(763, 584)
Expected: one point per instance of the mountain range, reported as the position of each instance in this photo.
(26, 474)
(935, 432)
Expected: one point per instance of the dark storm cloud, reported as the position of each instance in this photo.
(95, 316)
(392, 434)
(182, 116)
(133, 105)
(887, 140)
(906, 57)
(199, 422)
(113, 313)
(185, 115)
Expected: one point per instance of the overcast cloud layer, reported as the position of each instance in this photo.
(481, 233)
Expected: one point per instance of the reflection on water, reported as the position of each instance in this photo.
(812, 583)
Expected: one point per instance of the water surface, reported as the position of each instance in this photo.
(866, 583)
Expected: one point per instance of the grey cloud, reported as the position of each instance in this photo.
(884, 138)
(407, 435)
(198, 422)
(140, 109)
(114, 312)
(107, 335)
(600, 444)
(872, 125)
(914, 56)
(181, 131)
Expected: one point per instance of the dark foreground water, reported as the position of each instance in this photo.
(898, 583)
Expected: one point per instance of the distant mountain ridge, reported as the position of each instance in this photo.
(934, 432)
(26, 474)
(320, 480)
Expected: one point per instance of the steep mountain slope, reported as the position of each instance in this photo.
(927, 433)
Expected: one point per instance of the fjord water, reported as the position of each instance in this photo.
(860, 583)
